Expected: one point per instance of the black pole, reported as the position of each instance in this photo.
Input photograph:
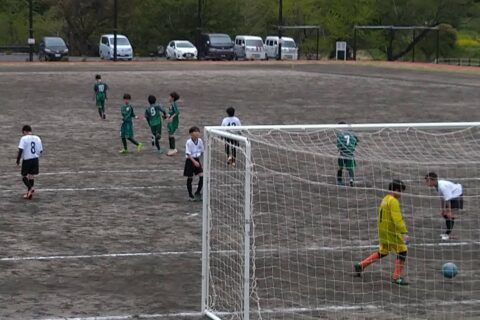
(30, 29)
(355, 43)
(318, 41)
(280, 25)
(199, 25)
(438, 46)
(390, 46)
(115, 12)
(413, 48)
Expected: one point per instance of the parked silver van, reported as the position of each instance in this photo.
(289, 48)
(249, 48)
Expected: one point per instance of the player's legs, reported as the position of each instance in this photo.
(198, 171)
(234, 151)
(188, 172)
(157, 141)
(350, 165)
(399, 265)
(341, 165)
(171, 139)
(136, 143)
(456, 205)
(31, 180)
(125, 147)
(382, 252)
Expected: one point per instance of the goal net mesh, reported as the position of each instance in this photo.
(308, 231)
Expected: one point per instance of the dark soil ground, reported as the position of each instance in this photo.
(108, 235)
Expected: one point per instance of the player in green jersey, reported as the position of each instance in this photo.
(346, 144)
(153, 115)
(126, 130)
(172, 121)
(100, 89)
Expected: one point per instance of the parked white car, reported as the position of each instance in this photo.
(289, 48)
(124, 48)
(249, 48)
(181, 50)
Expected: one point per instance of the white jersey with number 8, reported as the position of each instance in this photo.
(31, 146)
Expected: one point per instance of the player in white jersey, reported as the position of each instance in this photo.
(451, 199)
(29, 150)
(231, 145)
(193, 152)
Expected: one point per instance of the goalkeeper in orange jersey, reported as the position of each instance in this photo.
(392, 233)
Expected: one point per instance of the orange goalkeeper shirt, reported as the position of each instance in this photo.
(390, 221)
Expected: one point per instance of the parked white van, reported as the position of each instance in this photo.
(289, 48)
(249, 47)
(124, 48)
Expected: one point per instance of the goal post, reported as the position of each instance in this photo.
(213, 138)
(281, 232)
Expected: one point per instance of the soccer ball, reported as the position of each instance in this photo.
(449, 270)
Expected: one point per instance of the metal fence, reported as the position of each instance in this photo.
(460, 61)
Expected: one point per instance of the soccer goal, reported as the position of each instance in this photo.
(282, 231)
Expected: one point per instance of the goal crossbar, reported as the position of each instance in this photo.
(224, 131)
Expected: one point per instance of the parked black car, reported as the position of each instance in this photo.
(52, 48)
(216, 46)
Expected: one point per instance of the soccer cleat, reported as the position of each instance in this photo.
(358, 269)
(229, 160)
(104, 116)
(25, 195)
(30, 194)
(351, 182)
(445, 237)
(191, 198)
(171, 152)
(139, 147)
(198, 197)
(400, 281)
(124, 151)
(339, 182)
(159, 151)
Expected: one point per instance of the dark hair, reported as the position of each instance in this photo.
(194, 129)
(127, 96)
(152, 99)
(174, 95)
(26, 128)
(342, 122)
(231, 111)
(397, 185)
(98, 77)
(431, 175)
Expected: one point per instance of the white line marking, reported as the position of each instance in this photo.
(334, 308)
(60, 173)
(133, 316)
(94, 189)
(178, 253)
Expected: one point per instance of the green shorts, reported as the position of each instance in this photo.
(126, 131)
(172, 127)
(156, 131)
(100, 102)
(346, 163)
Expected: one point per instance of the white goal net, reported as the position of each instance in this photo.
(282, 232)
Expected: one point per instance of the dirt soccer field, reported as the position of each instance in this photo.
(113, 236)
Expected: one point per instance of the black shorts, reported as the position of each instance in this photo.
(456, 203)
(190, 170)
(30, 166)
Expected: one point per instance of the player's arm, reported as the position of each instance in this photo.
(397, 217)
(164, 113)
(175, 112)
(19, 155)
